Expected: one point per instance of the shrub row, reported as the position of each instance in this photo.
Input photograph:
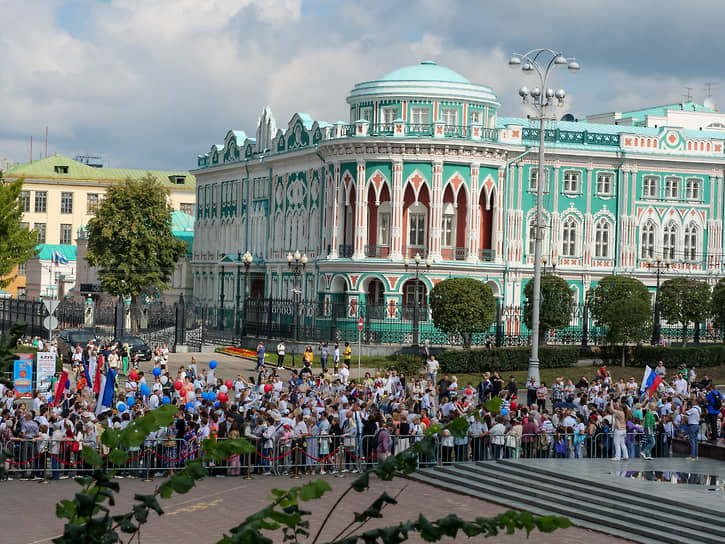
(709, 355)
(506, 359)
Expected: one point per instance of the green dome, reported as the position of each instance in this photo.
(425, 71)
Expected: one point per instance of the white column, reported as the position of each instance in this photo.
(474, 220)
(361, 216)
(436, 213)
(498, 207)
(338, 209)
(554, 188)
(396, 230)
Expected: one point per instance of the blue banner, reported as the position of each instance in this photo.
(23, 375)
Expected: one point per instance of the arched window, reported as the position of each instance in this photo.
(417, 214)
(448, 235)
(601, 239)
(568, 238)
(647, 244)
(669, 241)
(532, 237)
(691, 248)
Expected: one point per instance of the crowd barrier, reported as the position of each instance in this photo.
(46, 460)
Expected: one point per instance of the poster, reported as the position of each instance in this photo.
(23, 375)
(46, 370)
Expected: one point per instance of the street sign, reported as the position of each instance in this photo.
(50, 322)
(359, 324)
(51, 304)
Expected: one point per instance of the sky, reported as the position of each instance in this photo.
(154, 83)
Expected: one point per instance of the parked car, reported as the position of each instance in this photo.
(68, 340)
(137, 345)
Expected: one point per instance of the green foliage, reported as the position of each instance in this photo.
(407, 364)
(718, 303)
(493, 405)
(700, 356)
(9, 347)
(684, 300)
(130, 238)
(462, 306)
(17, 243)
(505, 359)
(89, 519)
(624, 306)
(557, 300)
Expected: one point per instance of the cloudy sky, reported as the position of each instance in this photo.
(153, 83)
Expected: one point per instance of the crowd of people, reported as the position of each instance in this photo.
(321, 420)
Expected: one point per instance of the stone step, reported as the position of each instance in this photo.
(544, 480)
(596, 517)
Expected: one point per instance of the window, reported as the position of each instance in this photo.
(66, 234)
(41, 201)
(604, 184)
(416, 225)
(25, 199)
(449, 230)
(672, 187)
(669, 241)
(384, 229)
(647, 245)
(475, 117)
(177, 179)
(532, 237)
(40, 229)
(61, 169)
(91, 203)
(23, 269)
(601, 240)
(420, 115)
(367, 114)
(571, 181)
(449, 116)
(691, 243)
(187, 207)
(390, 114)
(693, 189)
(534, 179)
(650, 187)
(66, 202)
(568, 238)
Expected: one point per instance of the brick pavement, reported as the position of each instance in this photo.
(217, 504)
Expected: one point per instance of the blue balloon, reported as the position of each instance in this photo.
(130, 401)
(189, 405)
(205, 395)
(121, 407)
(145, 391)
(67, 384)
(216, 404)
(157, 371)
(504, 411)
(166, 400)
(212, 364)
(212, 395)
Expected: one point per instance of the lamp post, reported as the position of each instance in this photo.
(297, 263)
(499, 326)
(221, 296)
(554, 262)
(658, 264)
(541, 61)
(246, 260)
(417, 261)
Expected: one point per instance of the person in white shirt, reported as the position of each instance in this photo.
(280, 354)
(344, 374)
(693, 427)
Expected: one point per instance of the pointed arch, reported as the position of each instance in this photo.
(417, 181)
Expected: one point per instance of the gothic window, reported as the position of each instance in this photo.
(669, 241)
(691, 249)
(569, 238)
(417, 225)
(532, 237)
(448, 238)
(601, 240)
(647, 244)
(384, 228)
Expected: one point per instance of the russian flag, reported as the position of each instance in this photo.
(650, 381)
(353, 392)
(108, 389)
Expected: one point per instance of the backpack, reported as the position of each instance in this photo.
(375, 440)
(716, 403)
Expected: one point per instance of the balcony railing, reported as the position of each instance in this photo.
(411, 251)
(345, 251)
(488, 255)
(453, 253)
(377, 252)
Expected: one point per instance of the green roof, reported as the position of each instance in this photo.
(425, 71)
(77, 171)
(46, 251)
(182, 227)
(661, 111)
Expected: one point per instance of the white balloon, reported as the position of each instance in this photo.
(164, 380)
(223, 389)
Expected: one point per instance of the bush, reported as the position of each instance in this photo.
(506, 359)
(408, 364)
(709, 355)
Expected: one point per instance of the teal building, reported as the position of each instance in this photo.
(425, 166)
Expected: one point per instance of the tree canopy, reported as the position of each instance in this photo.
(462, 306)
(624, 305)
(17, 243)
(130, 238)
(718, 303)
(684, 301)
(557, 300)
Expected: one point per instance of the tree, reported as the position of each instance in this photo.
(89, 517)
(718, 303)
(624, 306)
(684, 301)
(557, 300)
(17, 243)
(130, 239)
(462, 306)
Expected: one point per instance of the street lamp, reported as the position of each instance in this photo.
(297, 263)
(554, 262)
(417, 261)
(221, 295)
(499, 317)
(540, 61)
(246, 260)
(658, 264)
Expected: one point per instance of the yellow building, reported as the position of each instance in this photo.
(62, 194)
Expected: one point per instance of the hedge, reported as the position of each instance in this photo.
(506, 359)
(704, 355)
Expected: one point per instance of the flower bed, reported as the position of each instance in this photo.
(239, 352)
